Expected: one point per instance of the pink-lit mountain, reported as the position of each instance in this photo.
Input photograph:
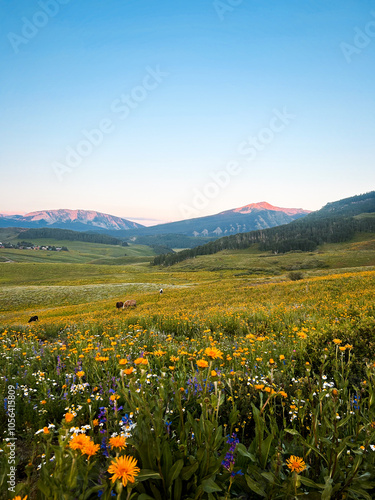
(263, 205)
(79, 220)
(238, 220)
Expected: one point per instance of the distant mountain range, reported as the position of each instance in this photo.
(77, 220)
(238, 220)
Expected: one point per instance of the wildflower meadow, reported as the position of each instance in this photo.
(217, 389)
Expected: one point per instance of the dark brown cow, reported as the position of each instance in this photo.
(119, 305)
(33, 318)
(130, 303)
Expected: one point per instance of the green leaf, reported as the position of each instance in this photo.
(326, 494)
(189, 470)
(269, 476)
(360, 492)
(155, 492)
(265, 450)
(309, 482)
(174, 472)
(92, 490)
(144, 496)
(254, 486)
(218, 437)
(345, 420)
(292, 431)
(166, 458)
(242, 450)
(209, 486)
(148, 474)
(177, 489)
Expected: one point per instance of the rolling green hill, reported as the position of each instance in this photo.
(80, 252)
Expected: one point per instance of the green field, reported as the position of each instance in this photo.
(47, 287)
(79, 252)
(237, 358)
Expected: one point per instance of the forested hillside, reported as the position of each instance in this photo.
(336, 222)
(67, 234)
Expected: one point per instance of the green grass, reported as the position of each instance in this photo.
(79, 252)
(9, 234)
(360, 252)
(43, 285)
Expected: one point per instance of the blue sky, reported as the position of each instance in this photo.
(137, 107)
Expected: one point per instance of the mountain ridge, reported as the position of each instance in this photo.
(264, 205)
(249, 217)
(237, 220)
(71, 219)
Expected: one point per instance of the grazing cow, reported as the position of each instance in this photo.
(130, 303)
(160, 291)
(33, 318)
(119, 305)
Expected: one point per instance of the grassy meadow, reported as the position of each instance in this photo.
(239, 381)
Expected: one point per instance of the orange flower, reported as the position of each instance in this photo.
(90, 448)
(79, 441)
(140, 361)
(123, 361)
(202, 363)
(69, 417)
(95, 422)
(213, 353)
(128, 371)
(337, 341)
(80, 374)
(124, 468)
(45, 430)
(296, 464)
(259, 387)
(213, 373)
(117, 442)
(271, 362)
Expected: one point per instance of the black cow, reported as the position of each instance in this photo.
(33, 318)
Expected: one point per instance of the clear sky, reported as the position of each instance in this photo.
(168, 109)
